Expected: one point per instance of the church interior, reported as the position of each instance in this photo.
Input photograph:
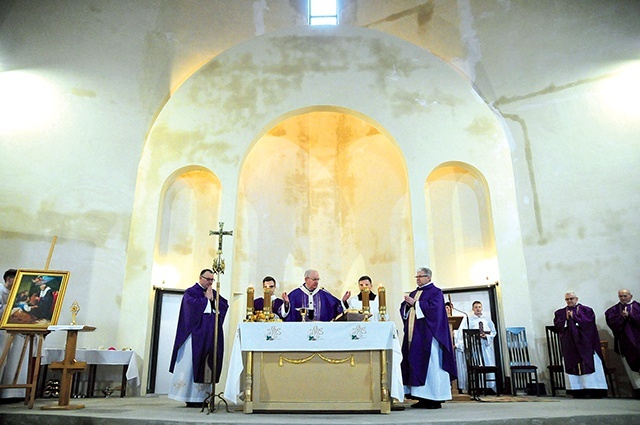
(492, 141)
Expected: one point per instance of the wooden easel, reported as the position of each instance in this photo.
(33, 368)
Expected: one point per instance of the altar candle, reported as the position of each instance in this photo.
(382, 296)
(250, 298)
(365, 298)
(267, 300)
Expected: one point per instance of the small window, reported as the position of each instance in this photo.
(323, 12)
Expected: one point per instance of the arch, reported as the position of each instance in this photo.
(328, 189)
(188, 209)
(462, 238)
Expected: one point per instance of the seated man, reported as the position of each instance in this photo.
(355, 302)
(269, 283)
(319, 304)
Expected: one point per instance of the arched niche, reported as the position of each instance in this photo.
(461, 235)
(322, 189)
(188, 209)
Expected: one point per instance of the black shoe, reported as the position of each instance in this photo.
(193, 404)
(427, 404)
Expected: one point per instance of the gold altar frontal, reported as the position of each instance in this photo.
(317, 381)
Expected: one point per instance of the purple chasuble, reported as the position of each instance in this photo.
(326, 306)
(193, 321)
(626, 332)
(434, 324)
(578, 339)
(258, 305)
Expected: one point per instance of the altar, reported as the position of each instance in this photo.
(315, 366)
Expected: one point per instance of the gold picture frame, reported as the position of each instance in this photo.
(35, 299)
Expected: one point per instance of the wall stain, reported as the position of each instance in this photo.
(83, 92)
(550, 89)
(542, 239)
(423, 13)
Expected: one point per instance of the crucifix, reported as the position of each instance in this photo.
(218, 263)
(218, 269)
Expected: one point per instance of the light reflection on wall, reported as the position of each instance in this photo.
(621, 92)
(28, 101)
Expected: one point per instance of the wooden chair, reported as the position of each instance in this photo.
(523, 373)
(609, 372)
(477, 372)
(556, 363)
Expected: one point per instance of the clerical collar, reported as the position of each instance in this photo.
(309, 291)
(424, 286)
(203, 288)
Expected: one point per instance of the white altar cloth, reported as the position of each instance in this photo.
(314, 337)
(100, 357)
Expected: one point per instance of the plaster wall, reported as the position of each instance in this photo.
(72, 149)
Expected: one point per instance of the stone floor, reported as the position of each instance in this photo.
(155, 410)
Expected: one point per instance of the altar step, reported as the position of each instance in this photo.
(157, 410)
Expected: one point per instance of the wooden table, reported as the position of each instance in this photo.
(68, 366)
(127, 359)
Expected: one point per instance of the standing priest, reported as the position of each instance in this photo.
(318, 303)
(580, 343)
(428, 364)
(193, 350)
(624, 320)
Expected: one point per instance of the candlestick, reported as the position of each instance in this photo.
(249, 317)
(382, 296)
(364, 294)
(267, 301)
(365, 298)
(382, 303)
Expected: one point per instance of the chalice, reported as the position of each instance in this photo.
(303, 313)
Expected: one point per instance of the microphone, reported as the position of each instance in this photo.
(465, 314)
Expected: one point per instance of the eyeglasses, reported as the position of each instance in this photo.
(421, 275)
(315, 279)
(208, 279)
(569, 299)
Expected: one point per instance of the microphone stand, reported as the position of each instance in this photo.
(218, 269)
(465, 314)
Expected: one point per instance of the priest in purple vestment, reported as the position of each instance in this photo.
(428, 363)
(320, 305)
(624, 320)
(193, 348)
(580, 343)
(269, 283)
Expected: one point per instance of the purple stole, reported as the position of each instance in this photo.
(416, 343)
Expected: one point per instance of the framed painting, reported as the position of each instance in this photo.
(35, 299)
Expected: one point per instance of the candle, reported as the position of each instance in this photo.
(267, 300)
(365, 299)
(382, 296)
(250, 298)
